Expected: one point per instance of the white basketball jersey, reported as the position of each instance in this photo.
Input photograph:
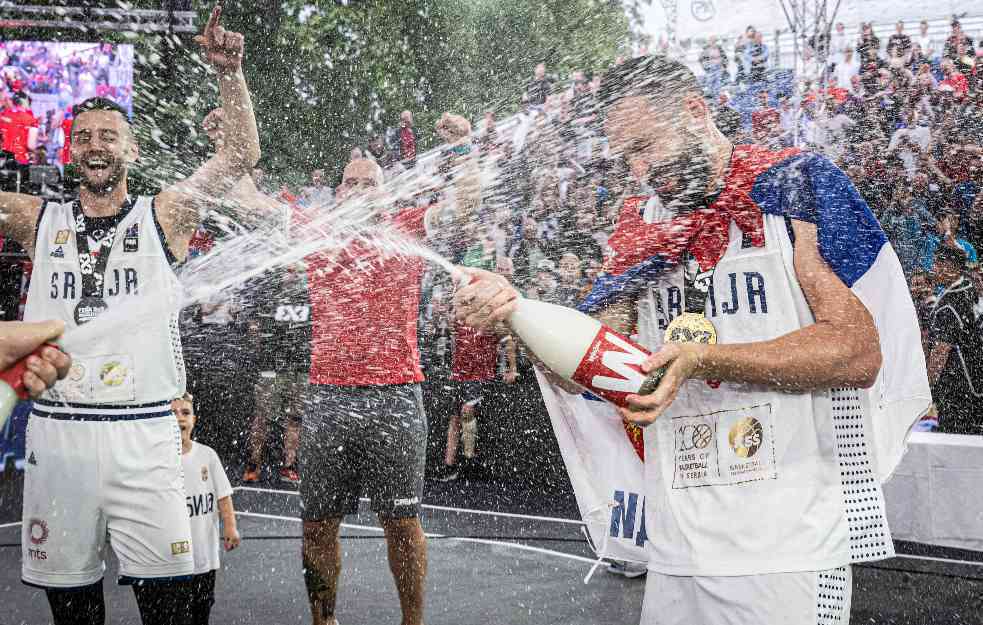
(743, 480)
(131, 362)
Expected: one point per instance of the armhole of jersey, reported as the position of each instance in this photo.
(790, 229)
(168, 254)
(37, 224)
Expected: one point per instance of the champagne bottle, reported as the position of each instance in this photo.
(12, 387)
(582, 349)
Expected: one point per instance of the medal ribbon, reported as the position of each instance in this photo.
(92, 264)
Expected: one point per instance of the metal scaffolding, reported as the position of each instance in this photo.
(16, 15)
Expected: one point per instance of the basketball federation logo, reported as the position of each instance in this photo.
(745, 437)
(38, 531)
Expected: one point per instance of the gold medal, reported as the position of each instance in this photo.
(691, 328)
(686, 328)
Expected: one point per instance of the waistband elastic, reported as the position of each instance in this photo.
(67, 411)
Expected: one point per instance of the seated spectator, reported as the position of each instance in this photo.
(572, 285)
(766, 121)
(713, 60)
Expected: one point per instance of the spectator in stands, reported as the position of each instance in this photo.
(928, 44)
(20, 128)
(899, 43)
(947, 233)
(840, 43)
(765, 121)
(846, 68)
(956, 37)
(965, 63)
(727, 118)
(756, 58)
(954, 79)
(907, 224)
(571, 283)
(740, 52)
(955, 362)
(539, 88)
(318, 192)
(407, 140)
(355, 154)
(869, 46)
(713, 60)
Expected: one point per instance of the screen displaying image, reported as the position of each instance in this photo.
(43, 80)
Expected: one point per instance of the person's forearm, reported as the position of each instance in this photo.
(226, 512)
(242, 136)
(510, 354)
(937, 357)
(816, 357)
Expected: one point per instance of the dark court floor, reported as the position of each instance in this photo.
(509, 565)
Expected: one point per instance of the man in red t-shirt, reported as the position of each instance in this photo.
(365, 430)
(20, 129)
(954, 79)
(473, 362)
(766, 121)
(65, 155)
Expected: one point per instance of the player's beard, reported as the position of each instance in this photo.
(116, 170)
(681, 183)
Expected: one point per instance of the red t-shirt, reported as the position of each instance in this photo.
(958, 82)
(16, 131)
(765, 120)
(66, 150)
(364, 311)
(475, 355)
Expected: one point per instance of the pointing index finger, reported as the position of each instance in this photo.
(213, 20)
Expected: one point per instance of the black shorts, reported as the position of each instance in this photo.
(468, 392)
(363, 440)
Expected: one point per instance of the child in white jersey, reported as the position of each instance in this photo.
(207, 489)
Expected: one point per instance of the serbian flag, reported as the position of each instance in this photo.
(799, 186)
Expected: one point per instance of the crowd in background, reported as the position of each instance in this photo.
(903, 116)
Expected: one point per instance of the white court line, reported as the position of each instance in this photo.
(934, 559)
(480, 541)
(14, 524)
(530, 517)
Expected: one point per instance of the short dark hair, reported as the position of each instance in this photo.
(654, 76)
(99, 104)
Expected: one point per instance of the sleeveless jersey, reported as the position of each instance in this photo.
(744, 480)
(136, 361)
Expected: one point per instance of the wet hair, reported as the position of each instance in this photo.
(657, 77)
(99, 104)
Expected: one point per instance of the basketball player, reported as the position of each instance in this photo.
(18, 339)
(759, 520)
(365, 430)
(104, 447)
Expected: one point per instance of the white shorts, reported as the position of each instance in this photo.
(98, 472)
(806, 598)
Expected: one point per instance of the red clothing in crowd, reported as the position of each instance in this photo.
(66, 150)
(407, 144)
(364, 311)
(958, 82)
(16, 124)
(765, 121)
(475, 355)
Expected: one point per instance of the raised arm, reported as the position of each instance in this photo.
(18, 218)
(178, 207)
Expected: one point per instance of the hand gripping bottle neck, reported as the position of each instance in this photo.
(12, 387)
